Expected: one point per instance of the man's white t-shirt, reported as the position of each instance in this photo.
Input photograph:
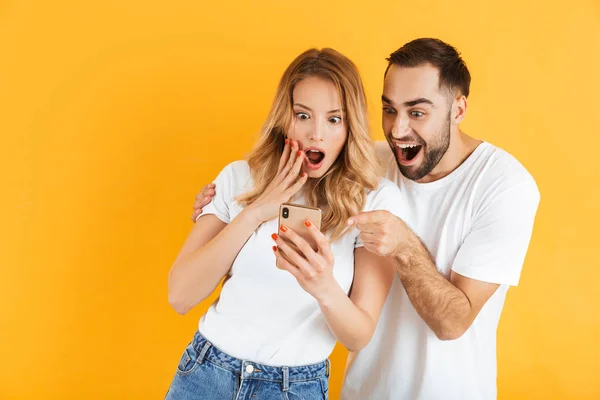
(477, 221)
(262, 314)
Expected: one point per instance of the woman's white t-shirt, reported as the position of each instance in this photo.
(262, 314)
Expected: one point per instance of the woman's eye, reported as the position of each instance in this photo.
(417, 114)
(302, 115)
(388, 110)
(335, 120)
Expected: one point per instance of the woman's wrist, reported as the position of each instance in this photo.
(329, 297)
(252, 215)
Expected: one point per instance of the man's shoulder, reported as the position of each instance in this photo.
(499, 170)
(387, 196)
(385, 187)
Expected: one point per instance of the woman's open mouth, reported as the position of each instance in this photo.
(407, 153)
(314, 158)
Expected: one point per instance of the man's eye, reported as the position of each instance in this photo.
(335, 120)
(302, 115)
(388, 110)
(417, 114)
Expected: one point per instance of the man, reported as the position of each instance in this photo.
(472, 206)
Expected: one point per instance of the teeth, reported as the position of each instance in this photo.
(407, 146)
(314, 151)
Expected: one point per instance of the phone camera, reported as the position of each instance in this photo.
(285, 212)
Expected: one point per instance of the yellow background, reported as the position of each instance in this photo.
(114, 114)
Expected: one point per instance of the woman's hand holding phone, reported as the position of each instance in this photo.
(286, 184)
(312, 269)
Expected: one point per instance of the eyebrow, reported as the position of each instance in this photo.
(411, 103)
(308, 108)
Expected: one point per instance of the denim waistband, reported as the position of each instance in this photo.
(251, 370)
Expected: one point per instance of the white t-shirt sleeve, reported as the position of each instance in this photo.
(494, 250)
(226, 190)
(386, 197)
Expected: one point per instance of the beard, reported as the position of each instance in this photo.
(432, 156)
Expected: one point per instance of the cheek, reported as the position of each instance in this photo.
(292, 131)
(386, 124)
(299, 130)
(428, 130)
(387, 120)
(339, 137)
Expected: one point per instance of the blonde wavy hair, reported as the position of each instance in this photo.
(342, 191)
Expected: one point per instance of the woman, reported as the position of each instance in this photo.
(271, 331)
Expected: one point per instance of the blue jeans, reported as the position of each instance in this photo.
(205, 372)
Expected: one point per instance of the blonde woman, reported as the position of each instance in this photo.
(270, 333)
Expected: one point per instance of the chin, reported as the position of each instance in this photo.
(315, 174)
(318, 173)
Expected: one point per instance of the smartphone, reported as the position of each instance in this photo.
(294, 215)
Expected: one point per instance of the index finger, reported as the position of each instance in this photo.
(321, 240)
(305, 248)
(284, 156)
(316, 234)
(364, 219)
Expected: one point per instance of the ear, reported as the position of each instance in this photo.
(459, 109)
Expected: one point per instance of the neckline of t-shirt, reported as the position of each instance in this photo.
(452, 175)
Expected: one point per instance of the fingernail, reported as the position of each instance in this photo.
(350, 222)
(299, 153)
(287, 141)
(307, 223)
(275, 248)
(283, 228)
(303, 174)
(274, 236)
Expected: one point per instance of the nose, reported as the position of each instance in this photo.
(318, 131)
(401, 126)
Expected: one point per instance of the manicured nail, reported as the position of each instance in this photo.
(274, 236)
(307, 223)
(275, 249)
(299, 153)
(303, 174)
(283, 228)
(287, 141)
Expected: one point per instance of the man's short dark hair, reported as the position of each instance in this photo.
(454, 74)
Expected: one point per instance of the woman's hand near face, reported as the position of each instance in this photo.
(286, 184)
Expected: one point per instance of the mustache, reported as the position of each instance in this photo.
(413, 139)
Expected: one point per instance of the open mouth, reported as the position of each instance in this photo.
(314, 158)
(407, 152)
